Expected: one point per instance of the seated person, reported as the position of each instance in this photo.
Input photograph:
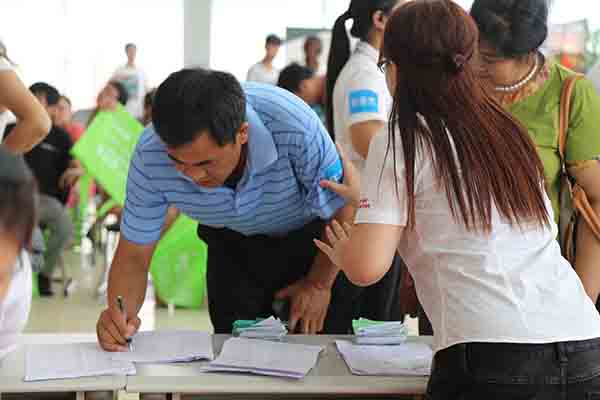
(112, 94)
(55, 171)
(64, 119)
(303, 83)
(17, 221)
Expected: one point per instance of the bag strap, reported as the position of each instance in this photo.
(564, 116)
(580, 199)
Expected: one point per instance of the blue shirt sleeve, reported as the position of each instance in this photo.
(145, 207)
(317, 159)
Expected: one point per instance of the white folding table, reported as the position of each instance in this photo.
(12, 371)
(330, 378)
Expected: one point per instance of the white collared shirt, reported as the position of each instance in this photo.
(510, 286)
(360, 95)
(261, 74)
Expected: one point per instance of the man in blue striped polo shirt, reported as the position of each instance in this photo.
(246, 163)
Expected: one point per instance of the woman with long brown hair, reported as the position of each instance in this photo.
(457, 187)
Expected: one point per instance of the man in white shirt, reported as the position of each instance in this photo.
(264, 71)
(594, 76)
(134, 80)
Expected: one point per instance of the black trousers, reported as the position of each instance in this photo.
(245, 272)
(503, 371)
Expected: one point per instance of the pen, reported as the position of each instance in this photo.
(121, 304)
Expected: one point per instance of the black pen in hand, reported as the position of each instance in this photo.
(121, 304)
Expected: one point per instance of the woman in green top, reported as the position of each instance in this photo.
(529, 85)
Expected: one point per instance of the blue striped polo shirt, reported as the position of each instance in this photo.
(289, 153)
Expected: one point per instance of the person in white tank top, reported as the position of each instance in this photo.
(456, 186)
(33, 122)
(18, 210)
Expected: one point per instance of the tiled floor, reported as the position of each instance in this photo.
(79, 312)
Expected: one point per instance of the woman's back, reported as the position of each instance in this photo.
(510, 285)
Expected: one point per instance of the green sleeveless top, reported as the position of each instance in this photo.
(540, 112)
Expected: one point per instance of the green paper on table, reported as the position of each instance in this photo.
(268, 329)
(371, 332)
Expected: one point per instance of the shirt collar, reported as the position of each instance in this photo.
(368, 50)
(261, 146)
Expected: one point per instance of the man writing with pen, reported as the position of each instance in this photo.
(246, 162)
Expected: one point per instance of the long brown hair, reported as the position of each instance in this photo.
(481, 155)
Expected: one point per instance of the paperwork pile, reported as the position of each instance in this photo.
(267, 329)
(408, 359)
(261, 357)
(69, 361)
(378, 332)
(78, 360)
(168, 346)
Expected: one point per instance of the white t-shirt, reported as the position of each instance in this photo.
(259, 73)
(14, 309)
(134, 80)
(5, 115)
(360, 95)
(511, 286)
(594, 76)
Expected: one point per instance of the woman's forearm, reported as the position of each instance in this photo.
(26, 135)
(587, 261)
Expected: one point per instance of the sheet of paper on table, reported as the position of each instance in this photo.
(168, 346)
(69, 361)
(407, 359)
(261, 357)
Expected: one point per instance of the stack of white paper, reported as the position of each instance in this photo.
(68, 361)
(269, 329)
(379, 332)
(168, 347)
(413, 359)
(268, 358)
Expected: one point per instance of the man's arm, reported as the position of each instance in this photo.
(128, 278)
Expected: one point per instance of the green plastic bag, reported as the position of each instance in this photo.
(178, 267)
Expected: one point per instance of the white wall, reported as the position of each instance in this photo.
(77, 44)
(240, 27)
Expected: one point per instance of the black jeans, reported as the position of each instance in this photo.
(501, 371)
(245, 272)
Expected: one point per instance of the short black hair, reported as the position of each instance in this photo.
(123, 96)
(49, 92)
(514, 28)
(273, 40)
(292, 76)
(18, 198)
(193, 101)
(128, 45)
